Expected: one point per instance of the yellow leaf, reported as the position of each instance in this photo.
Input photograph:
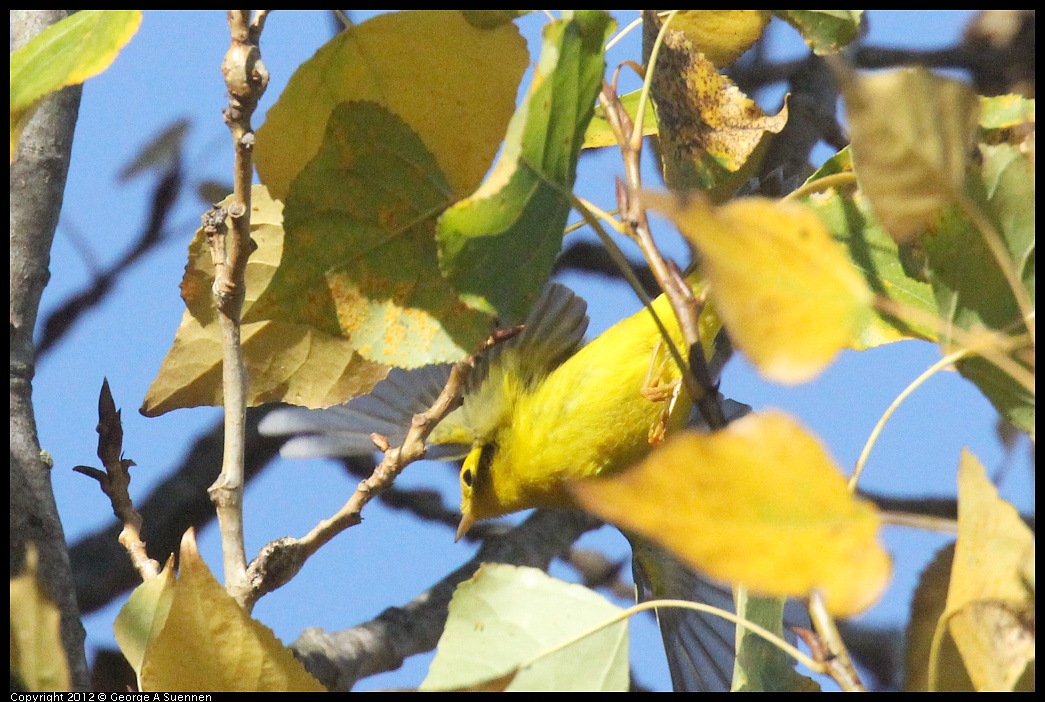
(210, 644)
(721, 35)
(37, 655)
(142, 618)
(990, 605)
(451, 82)
(288, 362)
(782, 286)
(912, 134)
(759, 503)
(67, 53)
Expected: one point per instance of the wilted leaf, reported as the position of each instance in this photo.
(66, 53)
(990, 611)
(288, 362)
(847, 214)
(783, 288)
(721, 35)
(713, 136)
(971, 291)
(758, 503)
(912, 134)
(451, 82)
(599, 134)
(37, 654)
(210, 643)
(142, 618)
(498, 245)
(825, 31)
(505, 616)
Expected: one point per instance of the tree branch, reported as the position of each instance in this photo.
(37, 186)
(340, 659)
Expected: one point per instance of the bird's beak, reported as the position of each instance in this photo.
(467, 521)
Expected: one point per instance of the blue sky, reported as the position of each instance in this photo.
(170, 70)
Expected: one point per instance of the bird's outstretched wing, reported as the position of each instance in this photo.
(552, 333)
(699, 646)
(345, 430)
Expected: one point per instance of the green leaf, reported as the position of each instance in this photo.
(359, 257)
(912, 133)
(507, 616)
(825, 31)
(451, 82)
(498, 245)
(66, 53)
(760, 665)
(599, 134)
(847, 213)
(142, 618)
(971, 291)
(1003, 112)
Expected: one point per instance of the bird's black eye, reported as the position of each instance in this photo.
(466, 476)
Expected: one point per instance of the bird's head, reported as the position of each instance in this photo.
(478, 499)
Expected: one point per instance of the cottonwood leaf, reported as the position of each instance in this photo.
(288, 362)
(209, 642)
(782, 287)
(760, 665)
(451, 82)
(598, 134)
(927, 606)
(989, 616)
(972, 292)
(721, 35)
(847, 214)
(497, 246)
(759, 503)
(505, 616)
(912, 133)
(37, 654)
(142, 618)
(67, 53)
(713, 137)
(1006, 117)
(825, 31)
(359, 257)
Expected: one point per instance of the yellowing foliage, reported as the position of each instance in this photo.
(759, 503)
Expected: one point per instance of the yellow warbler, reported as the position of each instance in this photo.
(540, 410)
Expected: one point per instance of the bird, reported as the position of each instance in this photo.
(543, 409)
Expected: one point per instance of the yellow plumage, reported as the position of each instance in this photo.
(591, 415)
(540, 411)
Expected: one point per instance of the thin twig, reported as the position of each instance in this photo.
(280, 560)
(246, 78)
(341, 658)
(115, 481)
(832, 652)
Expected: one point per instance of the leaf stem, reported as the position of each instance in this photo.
(695, 606)
(944, 362)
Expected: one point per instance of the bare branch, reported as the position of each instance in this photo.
(246, 79)
(37, 184)
(340, 659)
(116, 480)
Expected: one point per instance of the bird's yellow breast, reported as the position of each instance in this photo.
(592, 415)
